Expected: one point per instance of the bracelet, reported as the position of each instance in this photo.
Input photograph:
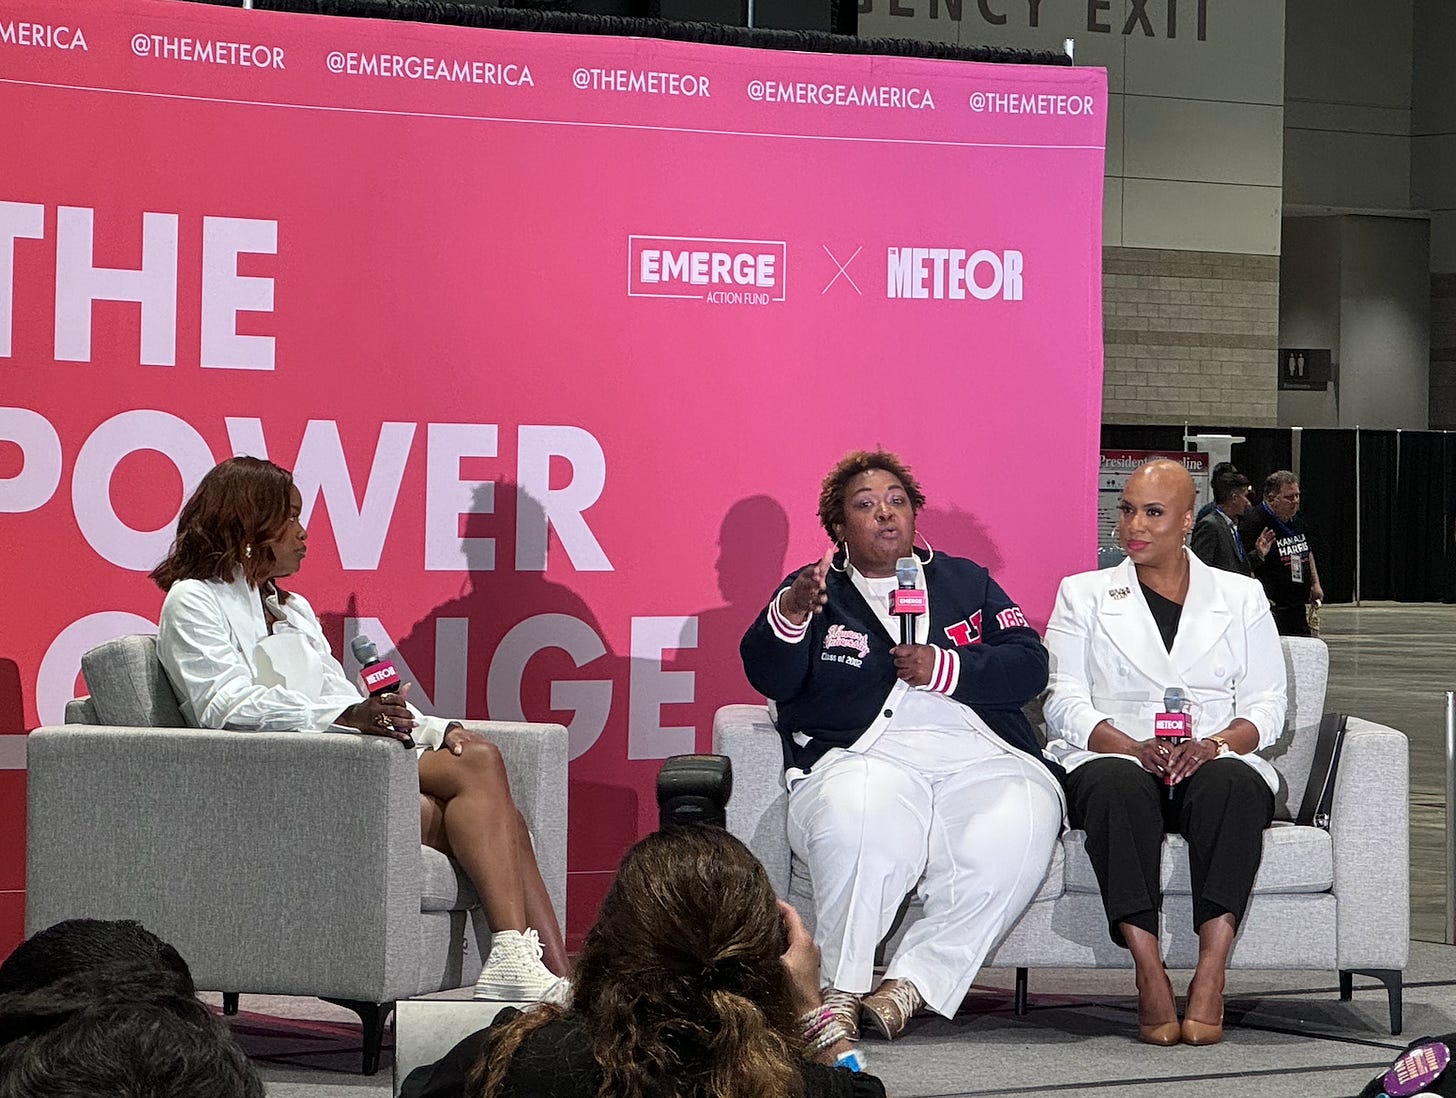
(812, 1023)
(832, 1034)
(853, 1060)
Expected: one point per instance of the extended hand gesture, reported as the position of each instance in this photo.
(807, 594)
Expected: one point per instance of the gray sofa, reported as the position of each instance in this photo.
(277, 863)
(1324, 899)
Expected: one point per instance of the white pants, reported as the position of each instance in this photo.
(980, 829)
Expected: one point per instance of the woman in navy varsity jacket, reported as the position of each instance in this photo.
(904, 761)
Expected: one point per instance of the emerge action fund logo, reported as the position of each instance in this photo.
(717, 272)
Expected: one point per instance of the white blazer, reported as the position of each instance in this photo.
(1108, 662)
(209, 644)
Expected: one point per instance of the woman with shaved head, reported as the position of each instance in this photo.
(1120, 639)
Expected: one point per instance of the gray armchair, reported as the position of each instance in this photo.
(1324, 899)
(277, 863)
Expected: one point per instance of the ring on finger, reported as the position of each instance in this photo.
(383, 722)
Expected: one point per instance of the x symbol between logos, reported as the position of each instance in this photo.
(843, 269)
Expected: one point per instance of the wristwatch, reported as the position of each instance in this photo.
(1223, 745)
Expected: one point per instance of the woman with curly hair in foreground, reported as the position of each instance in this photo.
(694, 983)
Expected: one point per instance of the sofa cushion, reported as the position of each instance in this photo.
(444, 887)
(1296, 859)
(128, 687)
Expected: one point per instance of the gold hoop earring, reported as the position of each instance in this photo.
(844, 546)
(929, 549)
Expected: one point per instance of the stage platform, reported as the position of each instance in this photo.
(1287, 1035)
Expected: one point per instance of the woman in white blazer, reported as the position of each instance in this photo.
(243, 653)
(1118, 639)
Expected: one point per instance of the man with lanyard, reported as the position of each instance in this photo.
(1216, 536)
(1288, 573)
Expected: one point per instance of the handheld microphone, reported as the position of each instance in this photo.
(378, 673)
(907, 600)
(1172, 726)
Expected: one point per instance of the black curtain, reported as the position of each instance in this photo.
(1378, 458)
(634, 19)
(1263, 451)
(1327, 509)
(1418, 551)
(1448, 524)
(1138, 436)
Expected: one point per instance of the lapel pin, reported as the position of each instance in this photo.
(1120, 592)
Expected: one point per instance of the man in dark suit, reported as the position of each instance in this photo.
(1216, 537)
(1221, 469)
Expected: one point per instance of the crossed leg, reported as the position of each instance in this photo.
(467, 813)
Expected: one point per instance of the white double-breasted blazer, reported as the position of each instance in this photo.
(1108, 662)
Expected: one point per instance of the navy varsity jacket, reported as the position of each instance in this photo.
(834, 684)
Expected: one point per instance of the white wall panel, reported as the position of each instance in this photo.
(1116, 134)
(1349, 51)
(1352, 171)
(1212, 217)
(1198, 140)
(1433, 171)
(1111, 211)
(1241, 60)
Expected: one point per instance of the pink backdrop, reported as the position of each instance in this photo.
(536, 454)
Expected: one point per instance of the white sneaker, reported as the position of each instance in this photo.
(513, 971)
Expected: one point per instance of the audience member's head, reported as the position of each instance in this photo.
(93, 1007)
(681, 986)
(129, 1039)
(1231, 492)
(76, 947)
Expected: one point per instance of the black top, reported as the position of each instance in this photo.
(1166, 613)
(1288, 556)
(556, 1062)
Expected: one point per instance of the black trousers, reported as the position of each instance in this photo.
(1291, 621)
(1222, 811)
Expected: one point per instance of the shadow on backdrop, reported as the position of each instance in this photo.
(752, 541)
(12, 698)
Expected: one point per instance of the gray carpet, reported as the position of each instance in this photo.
(1287, 1035)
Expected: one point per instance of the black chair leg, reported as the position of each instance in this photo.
(229, 1003)
(1020, 993)
(373, 1016)
(1394, 985)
